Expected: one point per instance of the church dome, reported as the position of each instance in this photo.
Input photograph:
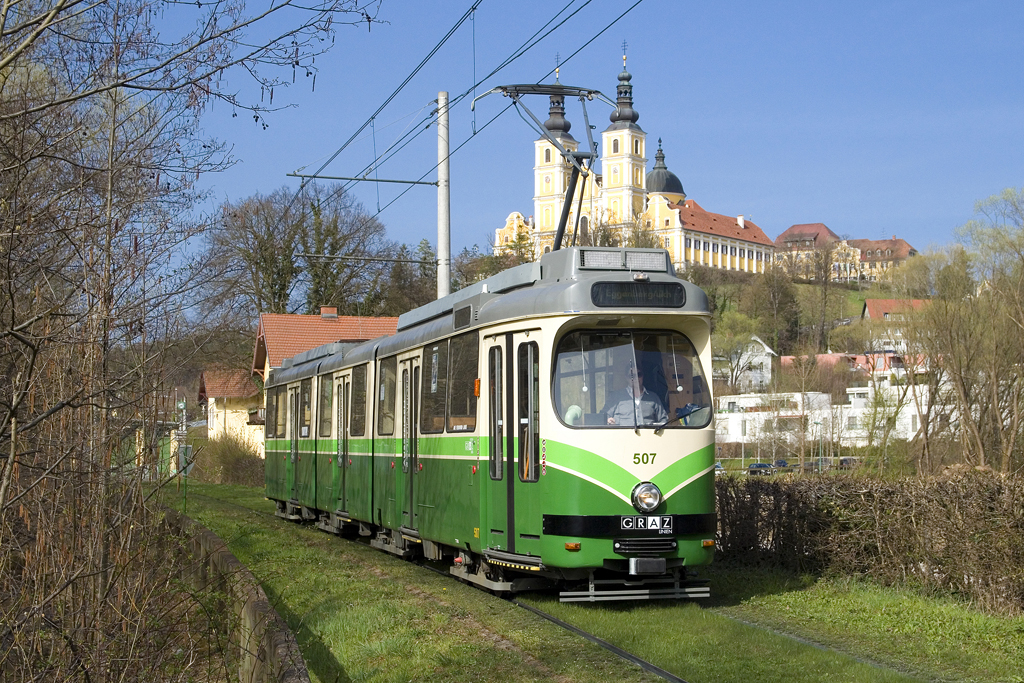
(662, 180)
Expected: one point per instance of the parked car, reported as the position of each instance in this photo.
(817, 465)
(760, 468)
(781, 464)
(849, 463)
(719, 469)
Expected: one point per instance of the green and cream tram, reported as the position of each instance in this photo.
(550, 425)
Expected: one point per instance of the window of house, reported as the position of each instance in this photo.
(357, 423)
(636, 147)
(463, 383)
(689, 242)
(666, 222)
(743, 253)
(851, 422)
(547, 156)
(714, 248)
(707, 246)
(732, 251)
(668, 242)
(615, 146)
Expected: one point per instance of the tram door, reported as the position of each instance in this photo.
(342, 457)
(514, 443)
(409, 380)
(496, 500)
(293, 441)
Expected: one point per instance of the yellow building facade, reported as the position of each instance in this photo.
(624, 198)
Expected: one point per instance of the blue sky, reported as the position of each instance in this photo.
(875, 118)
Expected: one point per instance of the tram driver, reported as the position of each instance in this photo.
(635, 404)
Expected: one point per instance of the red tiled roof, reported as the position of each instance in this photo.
(796, 235)
(282, 335)
(226, 383)
(697, 219)
(898, 249)
(876, 309)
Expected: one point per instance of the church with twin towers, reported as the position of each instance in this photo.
(622, 196)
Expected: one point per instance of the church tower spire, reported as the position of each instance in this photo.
(623, 165)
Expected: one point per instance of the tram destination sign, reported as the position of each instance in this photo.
(638, 295)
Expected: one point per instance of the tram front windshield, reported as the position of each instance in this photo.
(630, 379)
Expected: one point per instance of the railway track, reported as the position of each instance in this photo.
(614, 649)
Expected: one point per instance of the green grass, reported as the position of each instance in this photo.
(704, 646)
(362, 615)
(936, 638)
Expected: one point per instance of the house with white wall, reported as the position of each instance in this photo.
(234, 406)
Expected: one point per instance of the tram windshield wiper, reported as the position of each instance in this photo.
(681, 413)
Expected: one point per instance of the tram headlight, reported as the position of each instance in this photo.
(646, 497)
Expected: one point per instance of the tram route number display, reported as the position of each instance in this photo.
(660, 523)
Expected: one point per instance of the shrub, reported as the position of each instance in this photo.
(960, 533)
(228, 460)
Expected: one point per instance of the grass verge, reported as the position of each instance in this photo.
(362, 615)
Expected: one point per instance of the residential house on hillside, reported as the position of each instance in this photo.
(750, 369)
(800, 247)
(234, 406)
(282, 335)
(886, 317)
(879, 257)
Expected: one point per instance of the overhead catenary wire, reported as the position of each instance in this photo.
(510, 105)
(399, 89)
(525, 47)
(519, 52)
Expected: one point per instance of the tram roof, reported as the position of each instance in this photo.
(560, 282)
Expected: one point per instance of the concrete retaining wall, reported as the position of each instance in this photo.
(261, 642)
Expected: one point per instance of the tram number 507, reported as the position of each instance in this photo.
(644, 458)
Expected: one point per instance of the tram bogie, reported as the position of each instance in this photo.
(548, 426)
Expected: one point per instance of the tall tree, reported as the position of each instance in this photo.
(100, 149)
(346, 251)
(772, 300)
(731, 342)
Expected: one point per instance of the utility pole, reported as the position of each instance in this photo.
(444, 226)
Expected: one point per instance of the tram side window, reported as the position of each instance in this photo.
(495, 378)
(529, 412)
(433, 387)
(282, 412)
(357, 422)
(325, 405)
(464, 384)
(386, 396)
(271, 420)
(305, 407)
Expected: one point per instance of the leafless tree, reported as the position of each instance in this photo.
(100, 151)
